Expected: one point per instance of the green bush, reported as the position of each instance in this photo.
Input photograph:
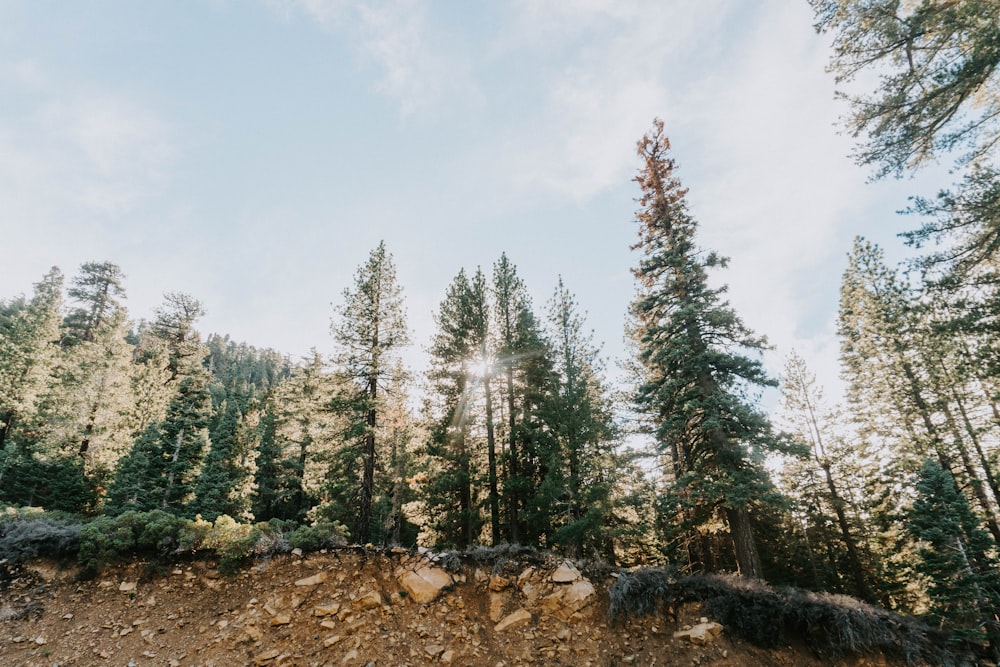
(132, 534)
(319, 536)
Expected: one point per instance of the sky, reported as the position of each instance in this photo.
(253, 152)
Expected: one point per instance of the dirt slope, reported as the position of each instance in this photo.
(344, 608)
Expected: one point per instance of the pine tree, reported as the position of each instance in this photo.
(97, 291)
(173, 327)
(938, 77)
(27, 354)
(957, 557)
(370, 330)
(816, 425)
(87, 403)
(579, 471)
(524, 367)
(160, 470)
(694, 351)
(224, 484)
(454, 353)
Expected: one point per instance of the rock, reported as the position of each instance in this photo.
(577, 595)
(498, 583)
(127, 586)
(330, 641)
(327, 609)
(448, 657)
(253, 633)
(368, 601)
(314, 580)
(497, 602)
(351, 656)
(433, 650)
(297, 552)
(328, 625)
(513, 620)
(701, 634)
(424, 584)
(565, 573)
(41, 640)
(281, 619)
(266, 656)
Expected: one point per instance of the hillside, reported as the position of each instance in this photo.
(349, 607)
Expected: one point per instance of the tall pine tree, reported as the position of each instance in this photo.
(699, 363)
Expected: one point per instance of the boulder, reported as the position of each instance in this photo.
(424, 584)
(565, 573)
(701, 634)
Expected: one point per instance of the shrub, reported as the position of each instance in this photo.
(319, 536)
(44, 536)
(132, 534)
(834, 626)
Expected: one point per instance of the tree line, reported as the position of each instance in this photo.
(520, 438)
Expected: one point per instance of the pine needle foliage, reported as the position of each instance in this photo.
(833, 626)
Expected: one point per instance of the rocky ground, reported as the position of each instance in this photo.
(348, 608)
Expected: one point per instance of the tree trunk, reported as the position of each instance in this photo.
(973, 475)
(173, 465)
(512, 496)
(747, 557)
(857, 571)
(491, 453)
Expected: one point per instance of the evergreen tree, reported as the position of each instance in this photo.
(97, 291)
(161, 469)
(579, 471)
(173, 327)
(957, 557)
(524, 367)
(938, 78)
(696, 378)
(85, 410)
(813, 423)
(27, 355)
(370, 328)
(485, 363)
(224, 485)
(138, 476)
(302, 459)
(454, 353)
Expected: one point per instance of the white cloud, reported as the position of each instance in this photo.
(117, 150)
(417, 71)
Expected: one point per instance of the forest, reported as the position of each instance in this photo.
(514, 434)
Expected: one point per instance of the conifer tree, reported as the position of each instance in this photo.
(454, 353)
(485, 362)
(816, 425)
(938, 69)
(85, 410)
(525, 370)
(161, 470)
(695, 354)
(224, 484)
(957, 557)
(369, 330)
(579, 470)
(27, 353)
(97, 291)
